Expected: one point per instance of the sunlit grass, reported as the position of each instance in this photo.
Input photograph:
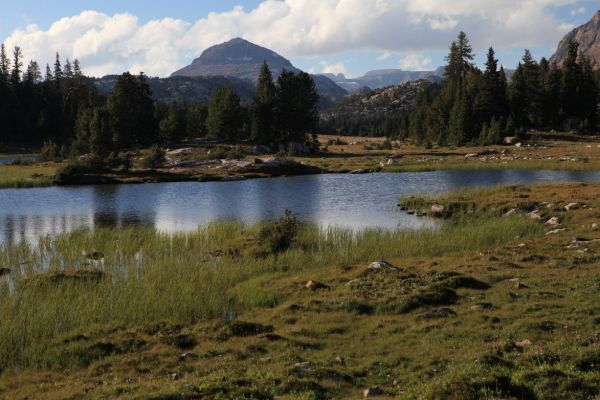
(186, 277)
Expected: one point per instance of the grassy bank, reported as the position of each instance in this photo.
(486, 306)
(24, 176)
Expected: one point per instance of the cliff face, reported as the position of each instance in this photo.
(588, 37)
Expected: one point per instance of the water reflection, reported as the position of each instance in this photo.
(354, 201)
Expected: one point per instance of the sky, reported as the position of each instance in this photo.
(337, 36)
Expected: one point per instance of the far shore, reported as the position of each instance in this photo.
(337, 154)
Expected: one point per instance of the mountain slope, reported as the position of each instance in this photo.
(373, 112)
(588, 37)
(241, 59)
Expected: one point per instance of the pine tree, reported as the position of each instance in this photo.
(296, 107)
(15, 75)
(100, 134)
(58, 74)
(48, 77)
(224, 119)
(263, 109)
(77, 69)
(4, 64)
(68, 70)
(571, 74)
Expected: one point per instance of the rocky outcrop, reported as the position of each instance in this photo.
(588, 37)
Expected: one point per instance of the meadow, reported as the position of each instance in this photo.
(483, 306)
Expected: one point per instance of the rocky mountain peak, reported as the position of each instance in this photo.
(238, 58)
(588, 37)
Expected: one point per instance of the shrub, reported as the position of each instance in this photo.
(49, 152)
(68, 173)
(279, 235)
(155, 158)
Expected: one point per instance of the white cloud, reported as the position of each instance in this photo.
(338, 68)
(578, 11)
(415, 62)
(114, 43)
(384, 56)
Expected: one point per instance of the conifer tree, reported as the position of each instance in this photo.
(4, 64)
(224, 120)
(263, 109)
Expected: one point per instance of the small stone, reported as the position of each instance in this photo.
(521, 285)
(265, 359)
(594, 226)
(383, 265)
(4, 271)
(302, 366)
(187, 356)
(510, 212)
(572, 206)
(534, 215)
(340, 360)
(555, 231)
(553, 221)
(437, 210)
(175, 376)
(523, 343)
(314, 285)
(372, 391)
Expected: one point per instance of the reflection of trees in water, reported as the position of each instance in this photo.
(122, 205)
(15, 228)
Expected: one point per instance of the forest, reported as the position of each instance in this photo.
(63, 113)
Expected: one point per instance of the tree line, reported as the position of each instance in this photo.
(63, 112)
(480, 107)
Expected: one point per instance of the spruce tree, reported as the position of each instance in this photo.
(4, 64)
(58, 74)
(263, 108)
(296, 107)
(224, 119)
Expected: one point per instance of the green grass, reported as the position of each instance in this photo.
(183, 278)
(26, 176)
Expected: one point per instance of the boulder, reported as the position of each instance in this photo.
(383, 265)
(572, 206)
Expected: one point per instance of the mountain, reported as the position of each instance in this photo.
(385, 77)
(241, 59)
(588, 37)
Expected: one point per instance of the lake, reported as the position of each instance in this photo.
(352, 201)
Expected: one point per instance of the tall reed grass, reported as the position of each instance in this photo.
(148, 276)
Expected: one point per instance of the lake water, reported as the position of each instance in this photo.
(10, 159)
(354, 201)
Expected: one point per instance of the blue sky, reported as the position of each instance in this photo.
(348, 36)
